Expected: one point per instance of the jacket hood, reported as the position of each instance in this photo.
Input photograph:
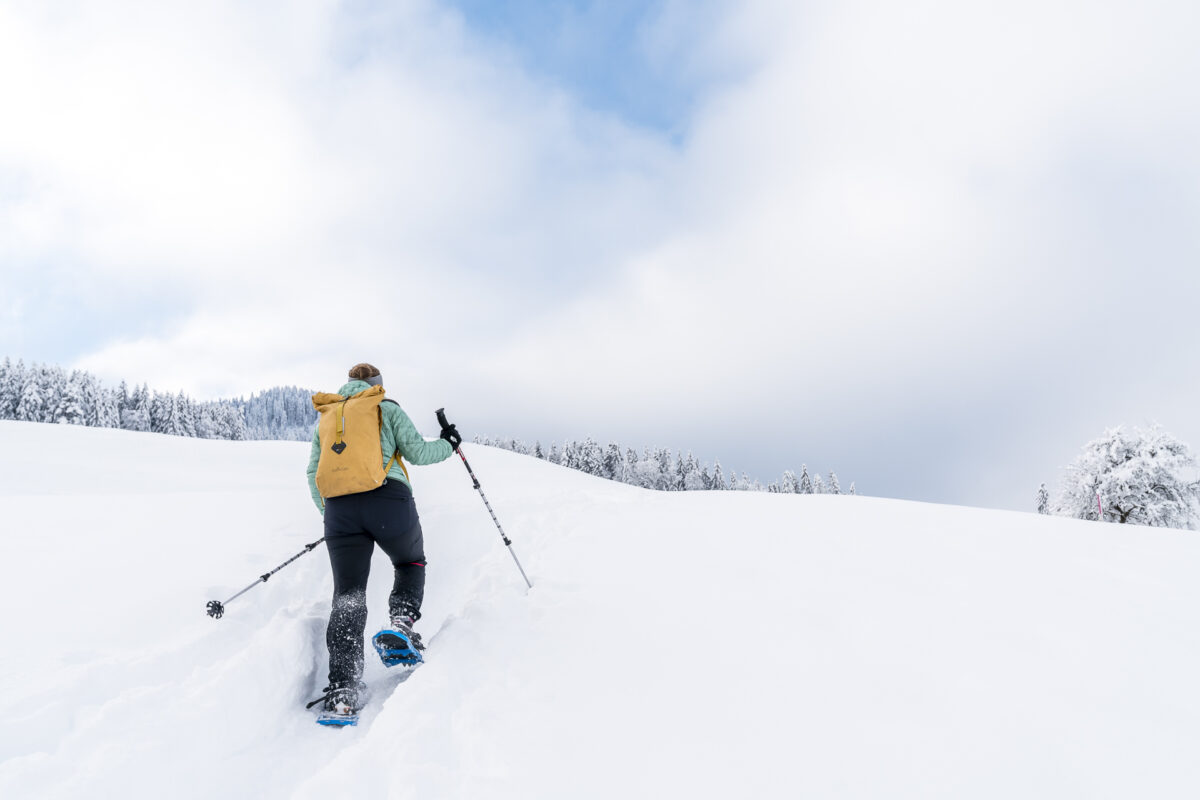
(353, 387)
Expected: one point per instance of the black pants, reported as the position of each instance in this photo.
(354, 523)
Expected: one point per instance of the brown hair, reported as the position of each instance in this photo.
(360, 372)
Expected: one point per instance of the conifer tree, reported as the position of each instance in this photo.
(694, 478)
(806, 484)
(235, 423)
(718, 480)
(187, 415)
(70, 409)
(679, 473)
(30, 404)
(95, 407)
(136, 416)
(614, 464)
(10, 388)
(664, 479)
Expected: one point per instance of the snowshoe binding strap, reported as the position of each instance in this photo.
(340, 707)
(338, 694)
(397, 648)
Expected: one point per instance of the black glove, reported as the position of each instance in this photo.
(450, 434)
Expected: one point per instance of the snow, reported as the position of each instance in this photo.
(674, 644)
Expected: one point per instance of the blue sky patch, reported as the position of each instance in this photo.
(600, 52)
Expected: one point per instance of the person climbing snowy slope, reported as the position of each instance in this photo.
(359, 483)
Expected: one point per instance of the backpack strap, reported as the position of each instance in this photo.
(396, 455)
(396, 459)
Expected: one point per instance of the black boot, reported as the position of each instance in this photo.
(340, 705)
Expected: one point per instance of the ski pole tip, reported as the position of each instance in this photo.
(215, 609)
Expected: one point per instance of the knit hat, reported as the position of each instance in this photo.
(367, 373)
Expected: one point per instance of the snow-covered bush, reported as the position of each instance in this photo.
(1146, 477)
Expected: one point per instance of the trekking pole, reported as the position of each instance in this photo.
(216, 609)
(441, 415)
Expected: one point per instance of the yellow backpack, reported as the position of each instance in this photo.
(349, 427)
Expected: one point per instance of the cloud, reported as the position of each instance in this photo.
(321, 163)
(881, 222)
(899, 220)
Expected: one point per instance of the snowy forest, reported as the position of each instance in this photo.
(659, 469)
(45, 393)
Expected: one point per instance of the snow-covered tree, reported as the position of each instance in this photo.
(665, 478)
(834, 487)
(30, 405)
(740, 483)
(818, 485)
(631, 462)
(71, 409)
(591, 457)
(806, 484)
(614, 463)
(1043, 500)
(135, 415)
(645, 471)
(284, 412)
(1146, 477)
(187, 415)
(693, 476)
(12, 379)
(234, 423)
(718, 478)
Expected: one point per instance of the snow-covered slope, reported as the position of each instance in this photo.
(675, 645)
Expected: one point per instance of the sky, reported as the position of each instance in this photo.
(934, 246)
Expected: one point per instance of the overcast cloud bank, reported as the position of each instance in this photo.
(940, 245)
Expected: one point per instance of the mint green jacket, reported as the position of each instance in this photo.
(396, 433)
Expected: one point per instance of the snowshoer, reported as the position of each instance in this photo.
(360, 485)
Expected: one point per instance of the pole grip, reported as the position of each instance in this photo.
(441, 418)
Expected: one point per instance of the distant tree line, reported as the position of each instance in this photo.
(45, 393)
(658, 468)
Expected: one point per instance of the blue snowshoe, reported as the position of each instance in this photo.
(340, 706)
(399, 645)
